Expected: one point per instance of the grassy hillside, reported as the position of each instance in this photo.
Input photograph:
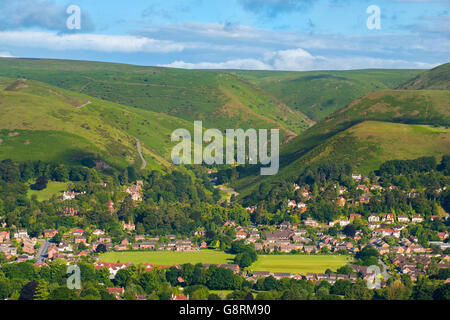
(368, 144)
(319, 93)
(435, 79)
(48, 123)
(219, 99)
(342, 138)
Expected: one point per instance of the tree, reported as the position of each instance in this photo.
(123, 275)
(358, 291)
(349, 230)
(340, 287)
(345, 270)
(57, 238)
(396, 290)
(101, 248)
(63, 293)
(442, 292)
(3, 258)
(40, 184)
(5, 289)
(368, 256)
(41, 291)
(29, 290)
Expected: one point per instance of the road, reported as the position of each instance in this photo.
(43, 252)
(139, 148)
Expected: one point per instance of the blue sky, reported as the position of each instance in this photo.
(241, 34)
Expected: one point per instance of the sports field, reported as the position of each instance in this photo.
(168, 257)
(301, 264)
(274, 263)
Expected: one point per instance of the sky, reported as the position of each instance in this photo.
(231, 34)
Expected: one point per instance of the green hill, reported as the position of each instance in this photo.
(434, 79)
(319, 93)
(39, 121)
(340, 138)
(219, 99)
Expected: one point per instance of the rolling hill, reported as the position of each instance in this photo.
(382, 125)
(39, 121)
(219, 99)
(319, 93)
(435, 79)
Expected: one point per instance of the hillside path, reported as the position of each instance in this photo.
(139, 148)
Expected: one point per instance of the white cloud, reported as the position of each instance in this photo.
(301, 60)
(248, 64)
(6, 54)
(82, 41)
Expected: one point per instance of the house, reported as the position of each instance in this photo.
(261, 274)
(179, 297)
(373, 218)
(344, 223)
(354, 216)
(78, 232)
(4, 236)
(342, 201)
(65, 247)
(311, 222)
(443, 235)
(50, 233)
(70, 212)
(387, 232)
(20, 234)
(233, 267)
(403, 219)
(285, 225)
(356, 176)
(363, 188)
(388, 218)
(70, 195)
(105, 239)
(417, 219)
(135, 191)
(281, 275)
(128, 226)
(98, 232)
(274, 236)
(28, 249)
(251, 209)
(139, 238)
(23, 258)
(53, 252)
(79, 239)
(241, 235)
(309, 249)
(365, 199)
(110, 206)
(117, 292)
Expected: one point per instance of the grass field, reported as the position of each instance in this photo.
(221, 100)
(53, 188)
(319, 93)
(301, 264)
(168, 257)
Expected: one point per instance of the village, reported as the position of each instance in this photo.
(399, 252)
